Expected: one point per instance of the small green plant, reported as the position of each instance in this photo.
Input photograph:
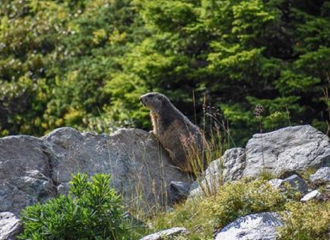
(266, 174)
(305, 221)
(91, 210)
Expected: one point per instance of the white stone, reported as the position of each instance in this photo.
(321, 175)
(309, 196)
(259, 226)
(166, 234)
(10, 225)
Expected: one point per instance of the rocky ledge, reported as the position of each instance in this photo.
(36, 169)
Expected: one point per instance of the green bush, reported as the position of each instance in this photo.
(306, 221)
(92, 210)
(241, 198)
(233, 200)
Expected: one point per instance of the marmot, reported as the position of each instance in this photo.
(182, 139)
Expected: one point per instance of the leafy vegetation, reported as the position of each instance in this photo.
(303, 221)
(92, 210)
(233, 200)
(85, 63)
(306, 221)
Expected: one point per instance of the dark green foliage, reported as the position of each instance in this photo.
(55, 59)
(92, 210)
(85, 63)
(240, 54)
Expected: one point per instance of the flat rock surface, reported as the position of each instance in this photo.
(25, 177)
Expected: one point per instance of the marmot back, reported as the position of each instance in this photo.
(183, 140)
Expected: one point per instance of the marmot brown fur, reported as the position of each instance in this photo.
(182, 139)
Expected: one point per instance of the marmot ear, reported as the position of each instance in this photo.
(160, 97)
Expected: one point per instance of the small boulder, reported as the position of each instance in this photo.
(296, 183)
(167, 234)
(322, 175)
(310, 196)
(179, 192)
(259, 226)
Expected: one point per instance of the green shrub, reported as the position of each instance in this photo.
(305, 221)
(92, 210)
(241, 198)
(233, 200)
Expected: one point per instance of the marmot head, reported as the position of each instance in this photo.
(154, 101)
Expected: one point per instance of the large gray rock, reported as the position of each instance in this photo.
(284, 152)
(259, 226)
(141, 171)
(9, 226)
(24, 173)
(287, 149)
(167, 234)
(35, 169)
